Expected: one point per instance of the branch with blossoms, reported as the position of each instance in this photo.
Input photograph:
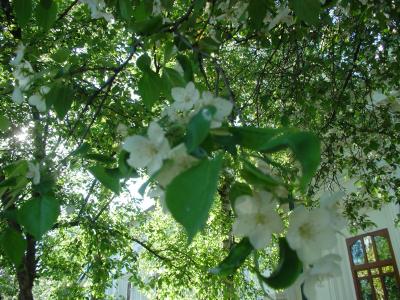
(183, 151)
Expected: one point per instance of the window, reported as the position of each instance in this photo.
(373, 266)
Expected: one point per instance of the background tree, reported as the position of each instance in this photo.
(109, 68)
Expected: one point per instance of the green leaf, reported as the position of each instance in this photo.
(106, 177)
(38, 215)
(150, 88)
(253, 137)
(46, 13)
(255, 177)
(235, 259)
(190, 195)
(171, 78)
(60, 55)
(306, 10)
(125, 9)
(208, 45)
(125, 170)
(23, 11)
(144, 62)
(100, 157)
(257, 11)
(14, 245)
(186, 65)
(305, 147)
(288, 269)
(60, 96)
(16, 168)
(238, 189)
(4, 123)
(198, 127)
(149, 26)
(8, 182)
(81, 150)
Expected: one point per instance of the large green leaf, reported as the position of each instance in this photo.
(14, 245)
(23, 11)
(254, 176)
(257, 11)
(46, 13)
(306, 10)
(4, 123)
(253, 137)
(190, 195)
(60, 96)
(288, 269)
(107, 177)
(150, 86)
(125, 9)
(198, 127)
(305, 147)
(235, 259)
(38, 215)
(171, 78)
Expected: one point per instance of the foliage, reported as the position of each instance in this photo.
(220, 103)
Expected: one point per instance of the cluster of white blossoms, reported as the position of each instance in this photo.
(257, 218)
(154, 152)
(188, 102)
(311, 233)
(97, 9)
(24, 75)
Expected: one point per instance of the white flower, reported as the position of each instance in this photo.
(223, 107)
(17, 96)
(257, 218)
(23, 73)
(97, 9)
(19, 55)
(332, 205)
(180, 161)
(310, 232)
(33, 172)
(186, 97)
(122, 129)
(156, 8)
(37, 101)
(282, 17)
(323, 269)
(44, 90)
(147, 151)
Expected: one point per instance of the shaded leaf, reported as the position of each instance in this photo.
(306, 10)
(38, 215)
(288, 269)
(235, 259)
(150, 88)
(198, 127)
(23, 11)
(190, 195)
(14, 245)
(109, 179)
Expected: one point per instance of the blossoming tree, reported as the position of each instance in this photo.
(223, 106)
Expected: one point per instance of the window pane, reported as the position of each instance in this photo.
(366, 290)
(382, 247)
(362, 273)
(391, 288)
(375, 271)
(378, 288)
(369, 248)
(357, 253)
(387, 269)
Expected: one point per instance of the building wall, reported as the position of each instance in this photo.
(342, 288)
